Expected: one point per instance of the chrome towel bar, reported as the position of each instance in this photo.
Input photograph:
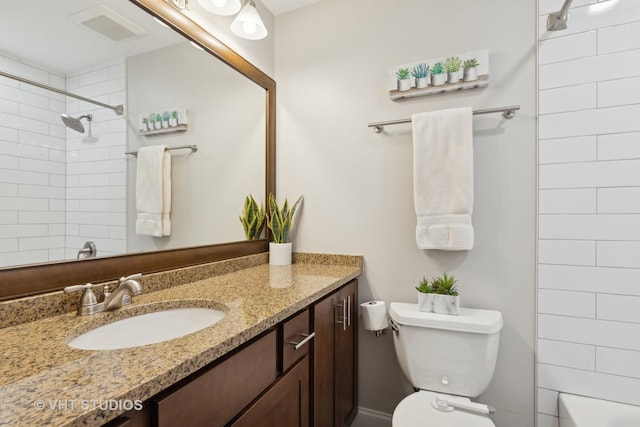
(193, 149)
(507, 113)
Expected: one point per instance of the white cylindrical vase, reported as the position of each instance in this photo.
(280, 253)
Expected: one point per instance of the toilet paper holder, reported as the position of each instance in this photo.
(374, 317)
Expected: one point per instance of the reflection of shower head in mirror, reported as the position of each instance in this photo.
(75, 123)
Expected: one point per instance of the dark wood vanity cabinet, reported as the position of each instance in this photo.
(335, 382)
(268, 381)
(285, 404)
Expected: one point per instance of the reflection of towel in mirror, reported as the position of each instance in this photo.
(443, 178)
(153, 191)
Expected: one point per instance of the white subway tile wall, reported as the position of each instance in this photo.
(96, 164)
(589, 205)
(49, 175)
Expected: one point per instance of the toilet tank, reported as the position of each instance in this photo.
(445, 353)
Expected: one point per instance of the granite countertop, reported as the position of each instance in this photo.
(45, 382)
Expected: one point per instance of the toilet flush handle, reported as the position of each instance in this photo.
(449, 403)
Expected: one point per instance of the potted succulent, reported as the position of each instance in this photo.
(452, 65)
(470, 72)
(152, 121)
(279, 222)
(447, 299)
(404, 82)
(438, 76)
(439, 296)
(425, 296)
(252, 218)
(421, 74)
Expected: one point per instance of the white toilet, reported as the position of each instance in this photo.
(448, 359)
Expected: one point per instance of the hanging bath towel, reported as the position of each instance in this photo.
(153, 191)
(443, 179)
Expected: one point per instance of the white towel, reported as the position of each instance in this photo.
(443, 179)
(153, 191)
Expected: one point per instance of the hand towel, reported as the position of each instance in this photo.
(443, 178)
(153, 191)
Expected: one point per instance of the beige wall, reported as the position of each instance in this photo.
(226, 121)
(331, 64)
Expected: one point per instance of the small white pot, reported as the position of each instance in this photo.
(446, 304)
(438, 79)
(422, 82)
(470, 74)
(280, 253)
(425, 302)
(404, 84)
(453, 77)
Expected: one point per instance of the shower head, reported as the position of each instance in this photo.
(75, 123)
(558, 20)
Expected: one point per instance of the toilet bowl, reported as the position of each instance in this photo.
(417, 410)
(449, 360)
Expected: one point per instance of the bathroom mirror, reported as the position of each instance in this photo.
(160, 72)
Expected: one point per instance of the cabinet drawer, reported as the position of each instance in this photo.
(296, 339)
(216, 396)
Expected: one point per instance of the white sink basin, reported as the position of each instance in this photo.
(149, 328)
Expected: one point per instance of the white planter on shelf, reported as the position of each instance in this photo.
(470, 74)
(453, 77)
(422, 82)
(446, 304)
(280, 253)
(438, 79)
(425, 302)
(404, 84)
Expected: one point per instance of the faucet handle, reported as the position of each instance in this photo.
(131, 277)
(88, 298)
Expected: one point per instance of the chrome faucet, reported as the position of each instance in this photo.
(127, 287)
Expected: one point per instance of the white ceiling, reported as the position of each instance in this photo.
(42, 34)
(278, 7)
(69, 47)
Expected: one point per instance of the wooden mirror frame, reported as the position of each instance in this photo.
(34, 279)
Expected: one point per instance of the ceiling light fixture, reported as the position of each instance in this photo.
(221, 7)
(181, 4)
(247, 24)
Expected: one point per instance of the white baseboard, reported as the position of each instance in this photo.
(370, 418)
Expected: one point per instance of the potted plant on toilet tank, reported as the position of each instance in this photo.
(279, 222)
(439, 296)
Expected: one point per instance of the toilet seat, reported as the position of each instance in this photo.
(416, 410)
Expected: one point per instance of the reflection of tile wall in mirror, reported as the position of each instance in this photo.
(60, 188)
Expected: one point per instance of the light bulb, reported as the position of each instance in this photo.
(219, 3)
(249, 27)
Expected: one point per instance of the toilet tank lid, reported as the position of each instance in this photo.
(468, 320)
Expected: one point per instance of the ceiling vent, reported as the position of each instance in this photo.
(107, 23)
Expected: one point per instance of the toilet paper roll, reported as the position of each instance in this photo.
(374, 315)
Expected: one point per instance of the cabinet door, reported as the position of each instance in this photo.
(324, 325)
(346, 356)
(285, 404)
(335, 399)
